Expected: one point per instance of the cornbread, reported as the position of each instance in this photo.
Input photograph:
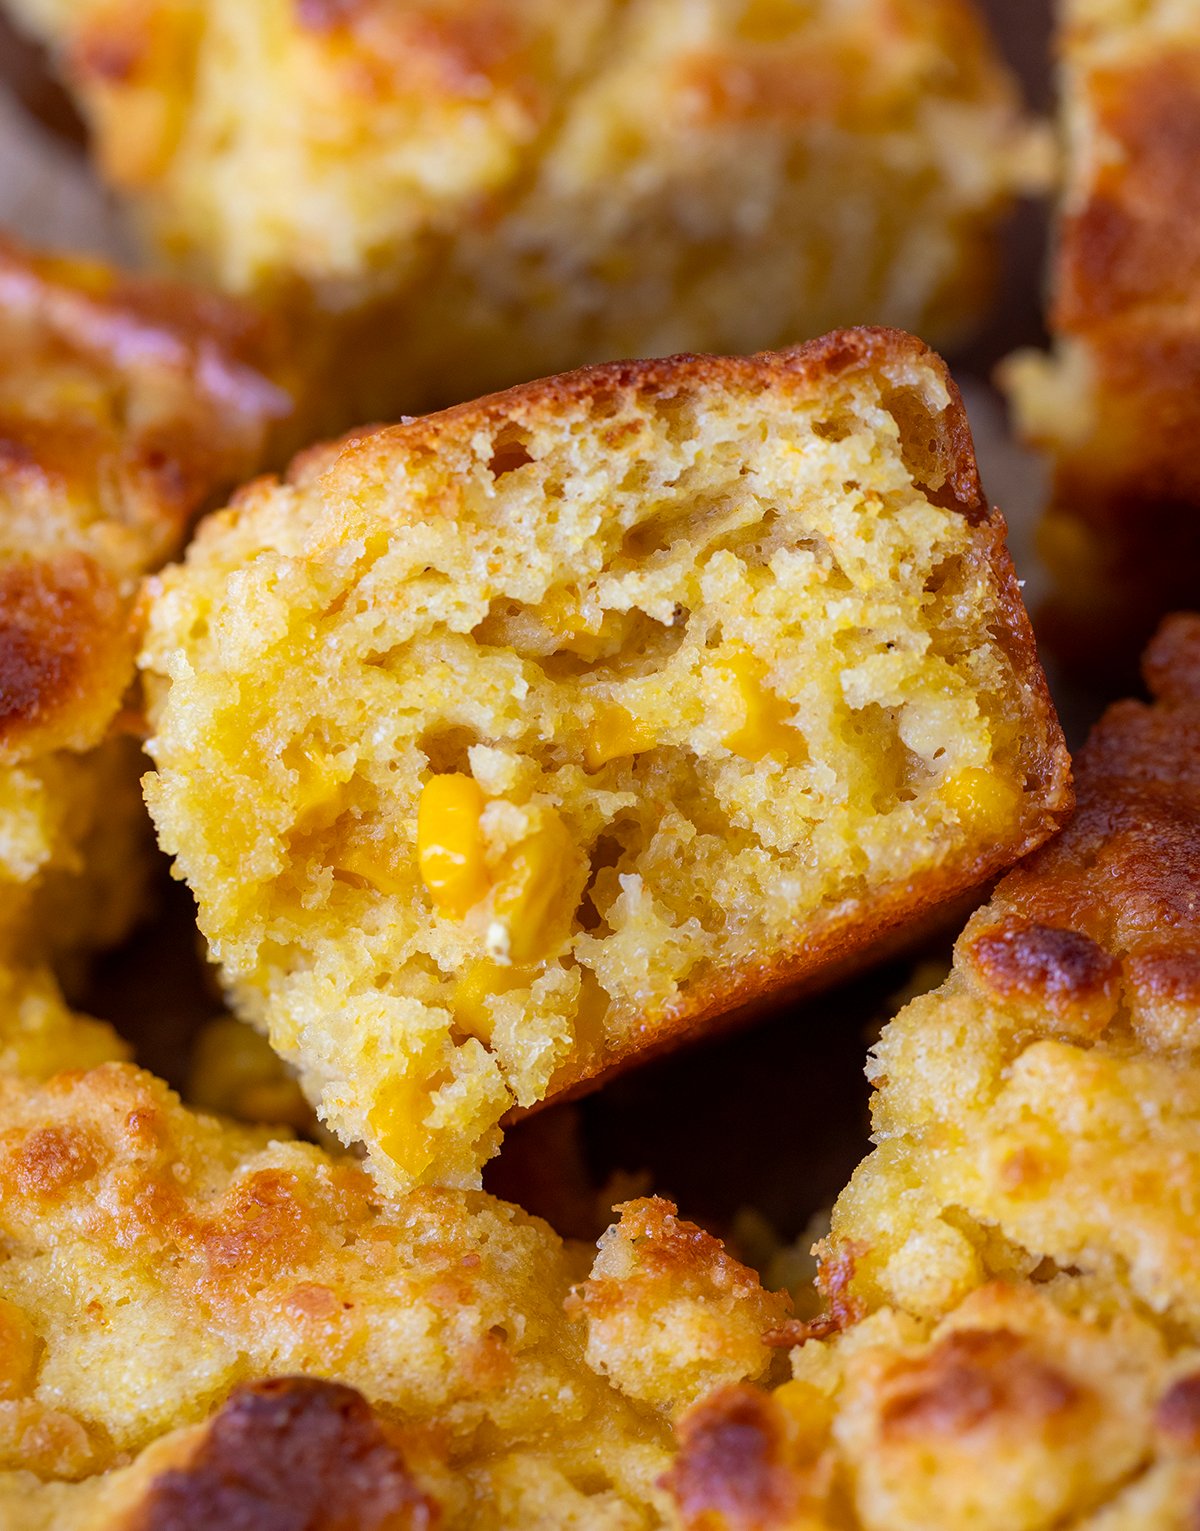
(209, 1302)
(125, 407)
(449, 196)
(1117, 404)
(1027, 1407)
(1039, 1111)
(1013, 1304)
(505, 746)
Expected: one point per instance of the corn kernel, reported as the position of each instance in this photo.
(473, 989)
(980, 796)
(396, 1119)
(615, 732)
(450, 843)
(765, 729)
(533, 902)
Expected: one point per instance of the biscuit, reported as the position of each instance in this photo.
(1116, 406)
(504, 747)
(451, 196)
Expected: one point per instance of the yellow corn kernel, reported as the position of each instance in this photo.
(473, 989)
(450, 843)
(980, 796)
(615, 732)
(535, 897)
(764, 729)
(397, 1120)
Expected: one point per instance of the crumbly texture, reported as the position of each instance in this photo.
(1117, 404)
(450, 196)
(209, 1302)
(670, 1313)
(1026, 1408)
(709, 673)
(1012, 1304)
(125, 408)
(1042, 1109)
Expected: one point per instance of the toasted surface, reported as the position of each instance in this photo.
(506, 745)
(469, 193)
(125, 408)
(1116, 405)
(1042, 1107)
(1026, 1407)
(1013, 1306)
(158, 1269)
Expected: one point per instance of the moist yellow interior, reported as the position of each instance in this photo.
(683, 681)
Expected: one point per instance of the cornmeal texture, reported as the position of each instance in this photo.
(1115, 405)
(125, 408)
(205, 1327)
(449, 196)
(1013, 1307)
(504, 746)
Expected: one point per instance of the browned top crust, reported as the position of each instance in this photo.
(290, 1454)
(126, 407)
(939, 444)
(1119, 406)
(1108, 914)
(737, 1469)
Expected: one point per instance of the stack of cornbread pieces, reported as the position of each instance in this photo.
(512, 747)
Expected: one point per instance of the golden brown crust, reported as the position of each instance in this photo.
(295, 1453)
(126, 406)
(734, 1470)
(942, 455)
(1107, 912)
(670, 1314)
(1121, 535)
(967, 1378)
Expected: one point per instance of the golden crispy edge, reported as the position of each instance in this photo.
(1126, 278)
(66, 642)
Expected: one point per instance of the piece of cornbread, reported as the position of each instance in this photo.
(1029, 1407)
(126, 406)
(1012, 1334)
(450, 196)
(507, 745)
(270, 1342)
(1117, 404)
(1041, 1110)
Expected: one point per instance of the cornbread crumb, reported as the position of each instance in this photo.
(375, 691)
(1042, 1109)
(449, 196)
(247, 1323)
